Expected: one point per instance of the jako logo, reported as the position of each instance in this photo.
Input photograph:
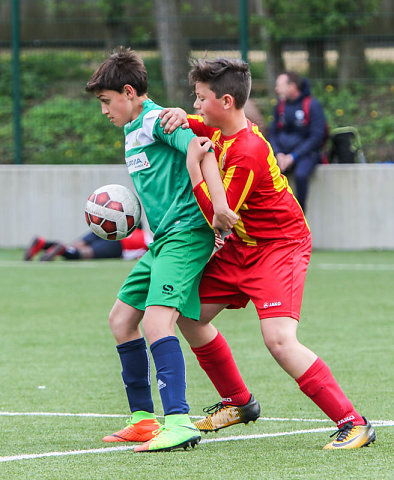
(346, 419)
(272, 304)
(168, 289)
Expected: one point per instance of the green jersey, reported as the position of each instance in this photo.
(157, 166)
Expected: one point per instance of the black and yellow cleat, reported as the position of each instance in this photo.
(222, 416)
(352, 436)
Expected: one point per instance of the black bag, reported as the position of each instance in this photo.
(345, 146)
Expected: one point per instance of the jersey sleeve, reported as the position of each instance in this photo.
(179, 139)
(204, 201)
(239, 180)
(196, 123)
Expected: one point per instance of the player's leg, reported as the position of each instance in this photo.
(218, 290)
(91, 246)
(134, 357)
(280, 337)
(35, 246)
(124, 322)
(214, 355)
(173, 289)
(316, 381)
(302, 171)
(279, 321)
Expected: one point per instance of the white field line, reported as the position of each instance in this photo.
(117, 415)
(34, 456)
(94, 263)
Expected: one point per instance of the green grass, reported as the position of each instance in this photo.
(54, 334)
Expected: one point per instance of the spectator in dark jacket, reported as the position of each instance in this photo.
(298, 131)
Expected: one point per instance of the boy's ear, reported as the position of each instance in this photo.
(228, 101)
(129, 91)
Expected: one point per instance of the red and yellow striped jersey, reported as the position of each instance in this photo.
(255, 188)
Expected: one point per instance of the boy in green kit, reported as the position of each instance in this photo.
(164, 283)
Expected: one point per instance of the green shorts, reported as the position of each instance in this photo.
(169, 273)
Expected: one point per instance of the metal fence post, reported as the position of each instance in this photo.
(16, 90)
(243, 28)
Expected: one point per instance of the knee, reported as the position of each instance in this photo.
(278, 345)
(114, 320)
(119, 323)
(274, 346)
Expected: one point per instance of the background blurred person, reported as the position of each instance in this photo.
(298, 131)
(90, 246)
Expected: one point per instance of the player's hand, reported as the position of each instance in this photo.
(197, 148)
(172, 118)
(224, 219)
(219, 239)
(284, 161)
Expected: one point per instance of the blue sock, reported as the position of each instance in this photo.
(170, 374)
(135, 361)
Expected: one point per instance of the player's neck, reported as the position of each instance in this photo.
(234, 122)
(138, 106)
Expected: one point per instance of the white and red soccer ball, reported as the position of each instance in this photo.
(113, 212)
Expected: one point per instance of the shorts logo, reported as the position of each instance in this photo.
(272, 304)
(168, 289)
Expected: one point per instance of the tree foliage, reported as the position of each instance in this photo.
(315, 18)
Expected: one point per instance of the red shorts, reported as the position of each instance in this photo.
(271, 275)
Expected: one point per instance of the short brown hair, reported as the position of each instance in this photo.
(224, 76)
(122, 67)
(293, 77)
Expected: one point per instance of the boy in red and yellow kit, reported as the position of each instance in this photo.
(264, 259)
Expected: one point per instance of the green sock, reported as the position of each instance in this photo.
(141, 415)
(177, 419)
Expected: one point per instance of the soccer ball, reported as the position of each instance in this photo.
(113, 212)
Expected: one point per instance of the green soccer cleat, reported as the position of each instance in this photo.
(349, 436)
(178, 432)
(222, 416)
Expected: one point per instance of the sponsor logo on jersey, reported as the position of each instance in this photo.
(272, 304)
(137, 162)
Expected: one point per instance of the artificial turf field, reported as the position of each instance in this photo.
(61, 389)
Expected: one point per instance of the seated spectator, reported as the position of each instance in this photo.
(90, 246)
(298, 131)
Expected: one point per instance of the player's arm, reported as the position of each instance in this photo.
(239, 181)
(202, 166)
(181, 139)
(172, 118)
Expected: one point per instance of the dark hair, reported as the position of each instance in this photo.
(224, 76)
(122, 67)
(293, 77)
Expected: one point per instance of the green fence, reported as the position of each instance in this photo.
(49, 49)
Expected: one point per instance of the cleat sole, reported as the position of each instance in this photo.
(189, 443)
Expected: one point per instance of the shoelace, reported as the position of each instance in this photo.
(214, 408)
(159, 430)
(343, 431)
(129, 422)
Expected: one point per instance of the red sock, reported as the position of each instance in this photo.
(320, 386)
(216, 359)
